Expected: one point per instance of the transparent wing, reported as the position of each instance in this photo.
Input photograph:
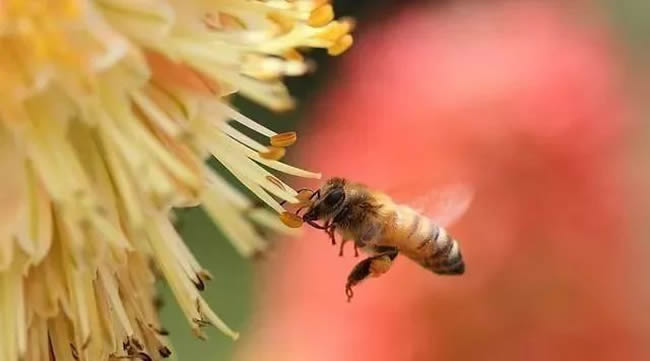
(443, 204)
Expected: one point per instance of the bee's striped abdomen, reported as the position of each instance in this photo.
(431, 246)
(447, 259)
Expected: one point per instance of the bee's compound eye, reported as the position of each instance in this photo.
(334, 197)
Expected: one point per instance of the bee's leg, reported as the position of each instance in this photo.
(343, 242)
(329, 229)
(372, 266)
(382, 261)
(356, 248)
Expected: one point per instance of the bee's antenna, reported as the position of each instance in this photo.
(317, 194)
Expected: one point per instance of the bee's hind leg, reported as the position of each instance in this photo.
(372, 266)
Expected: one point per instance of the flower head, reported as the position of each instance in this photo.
(108, 109)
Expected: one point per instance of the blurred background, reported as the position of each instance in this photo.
(541, 106)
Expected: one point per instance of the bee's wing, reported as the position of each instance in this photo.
(444, 205)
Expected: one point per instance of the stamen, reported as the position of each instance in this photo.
(321, 16)
(164, 351)
(204, 275)
(293, 54)
(275, 181)
(210, 21)
(284, 168)
(244, 120)
(291, 220)
(198, 283)
(242, 138)
(274, 153)
(343, 44)
(283, 22)
(336, 30)
(154, 113)
(304, 195)
(231, 22)
(284, 139)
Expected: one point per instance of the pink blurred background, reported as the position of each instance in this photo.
(527, 102)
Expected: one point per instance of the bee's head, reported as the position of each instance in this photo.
(331, 199)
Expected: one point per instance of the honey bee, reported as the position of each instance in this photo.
(383, 228)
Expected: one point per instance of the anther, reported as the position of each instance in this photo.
(321, 16)
(276, 182)
(337, 30)
(282, 21)
(158, 302)
(198, 283)
(304, 195)
(199, 334)
(74, 352)
(293, 54)
(284, 139)
(341, 45)
(273, 153)
(303, 203)
(204, 275)
(211, 22)
(159, 330)
(291, 220)
(136, 343)
(201, 323)
(164, 351)
(144, 356)
(231, 22)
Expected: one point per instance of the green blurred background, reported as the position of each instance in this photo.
(229, 293)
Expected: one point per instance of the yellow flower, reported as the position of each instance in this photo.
(108, 109)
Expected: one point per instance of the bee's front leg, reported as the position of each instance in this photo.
(329, 229)
(372, 266)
